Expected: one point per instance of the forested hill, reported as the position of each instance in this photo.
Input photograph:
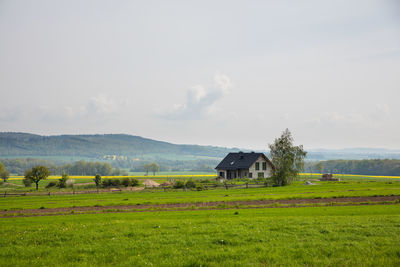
(30, 145)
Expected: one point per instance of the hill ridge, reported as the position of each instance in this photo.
(21, 144)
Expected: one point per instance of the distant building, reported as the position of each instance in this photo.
(241, 165)
(328, 177)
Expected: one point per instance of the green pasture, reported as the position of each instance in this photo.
(319, 236)
(15, 182)
(158, 196)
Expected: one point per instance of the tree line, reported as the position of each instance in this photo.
(203, 165)
(384, 167)
(19, 166)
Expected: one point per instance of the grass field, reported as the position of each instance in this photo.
(325, 236)
(296, 190)
(365, 235)
(15, 182)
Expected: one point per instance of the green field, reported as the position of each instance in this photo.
(325, 236)
(365, 234)
(294, 191)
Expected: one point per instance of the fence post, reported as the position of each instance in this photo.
(226, 186)
(49, 193)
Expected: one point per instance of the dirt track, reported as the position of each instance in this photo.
(206, 205)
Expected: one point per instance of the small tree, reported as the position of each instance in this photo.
(190, 184)
(97, 180)
(154, 167)
(147, 168)
(4, 174)
(179, 184)
(126, 182)
(36, 174)
(62, 182)
(287, 159)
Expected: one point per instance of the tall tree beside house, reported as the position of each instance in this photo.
(36, 174)
(287, 159)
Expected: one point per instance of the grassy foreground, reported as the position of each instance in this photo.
(319, 236)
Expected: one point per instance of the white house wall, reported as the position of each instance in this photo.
(267, 172)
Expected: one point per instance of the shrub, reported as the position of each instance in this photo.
(106, 183)
(179, 184)
(115, 182)
(126, 182)
(51, 184)
(111, 182)
(27, 182)
(200, 187)
(190, 184)
(62, 183)
(134, 182)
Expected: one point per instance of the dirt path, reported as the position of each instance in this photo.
(281, 203)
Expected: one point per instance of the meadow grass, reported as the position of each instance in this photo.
(319, 236)
(294, 191)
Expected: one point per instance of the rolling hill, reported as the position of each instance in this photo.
(97, 146)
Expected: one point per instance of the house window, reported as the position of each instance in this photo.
(250, 175)
(222, 174)
(260, 175)
(264, 166)
(257, 166)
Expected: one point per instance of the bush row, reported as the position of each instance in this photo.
(120, 182)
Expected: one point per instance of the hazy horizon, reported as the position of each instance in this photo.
(316, 149)
(220, 73)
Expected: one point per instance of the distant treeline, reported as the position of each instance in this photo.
(19, 166)
(203, 165)
(390, 167)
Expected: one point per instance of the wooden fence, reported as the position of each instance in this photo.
(199, 187)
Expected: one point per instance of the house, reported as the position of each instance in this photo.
(241, 165)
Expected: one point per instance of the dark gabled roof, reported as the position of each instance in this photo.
(239, 160)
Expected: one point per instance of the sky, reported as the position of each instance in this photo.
(224, 73)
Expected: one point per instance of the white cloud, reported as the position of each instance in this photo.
(200, 100)
(223, 82)
(101, 104)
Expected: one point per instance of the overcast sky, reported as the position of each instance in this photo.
(226, 73)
